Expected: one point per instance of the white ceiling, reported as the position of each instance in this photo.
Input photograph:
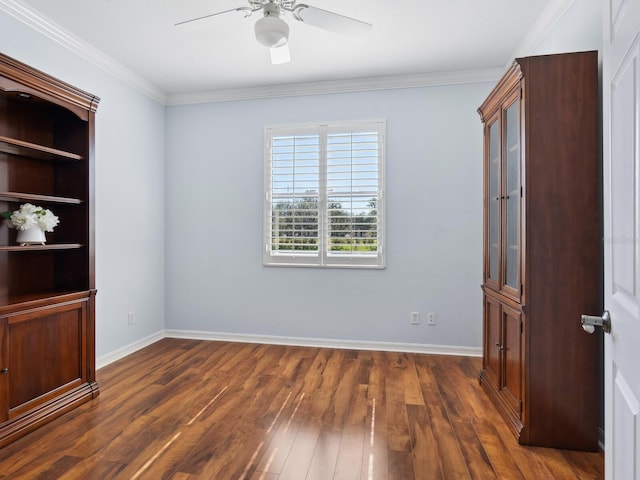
(409, 37)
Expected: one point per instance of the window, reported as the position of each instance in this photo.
(324, 203)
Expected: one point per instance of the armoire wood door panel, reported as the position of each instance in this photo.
(46, 354)
(493, 340)
(4, 372)
(511, 387)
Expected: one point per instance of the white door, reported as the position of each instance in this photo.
(621, 151)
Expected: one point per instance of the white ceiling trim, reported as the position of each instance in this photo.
(339, 86)
(78, 46)
(543, 25)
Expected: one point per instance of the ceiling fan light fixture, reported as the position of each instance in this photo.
(272, 31)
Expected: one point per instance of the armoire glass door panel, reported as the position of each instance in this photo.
(493, 211)
(512, 195)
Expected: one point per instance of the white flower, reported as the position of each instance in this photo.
(47, 221)
(21, 220)
(30, 215)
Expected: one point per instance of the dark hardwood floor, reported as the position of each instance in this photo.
(186, 409)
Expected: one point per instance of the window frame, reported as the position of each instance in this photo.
(323, 257)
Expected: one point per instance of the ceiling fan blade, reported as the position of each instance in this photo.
(247, 11)
(280, 55)
(330, 21)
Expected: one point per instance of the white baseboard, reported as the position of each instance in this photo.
(327, 343)
(111, 357)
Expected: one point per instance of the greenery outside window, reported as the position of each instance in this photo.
(324, 195)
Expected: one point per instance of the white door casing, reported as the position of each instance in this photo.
(621, 191)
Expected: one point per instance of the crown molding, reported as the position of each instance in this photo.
(44, 26)
(540, 29)
(338, 86)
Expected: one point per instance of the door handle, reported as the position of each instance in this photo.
(590, 322)
(4, 370)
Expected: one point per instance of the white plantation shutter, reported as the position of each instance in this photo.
(324, 200)
(295, 187)
(352, 189)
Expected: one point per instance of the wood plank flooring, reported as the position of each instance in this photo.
(187, 409)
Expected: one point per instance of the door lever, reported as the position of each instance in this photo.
(589, 322)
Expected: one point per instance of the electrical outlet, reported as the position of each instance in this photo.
(431, 318)
(415, 318)
(131, 319)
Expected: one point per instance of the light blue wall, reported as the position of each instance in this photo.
(214, 179)
(129, 188)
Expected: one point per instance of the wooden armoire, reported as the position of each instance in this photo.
(543, 249)
(47, 292)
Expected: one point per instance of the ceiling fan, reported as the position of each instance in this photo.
(273, 32)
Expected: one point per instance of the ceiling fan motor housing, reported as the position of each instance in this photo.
(271, 31)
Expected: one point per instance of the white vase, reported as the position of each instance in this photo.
(32, 236)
